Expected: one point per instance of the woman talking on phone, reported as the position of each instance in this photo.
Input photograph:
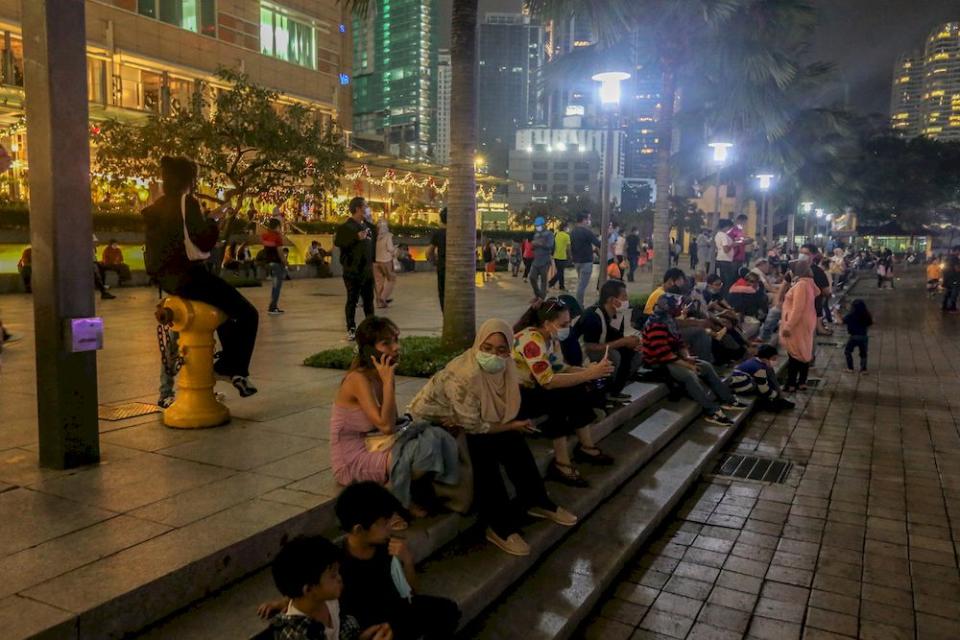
(479, 392)
(553, 389)
(366, 441)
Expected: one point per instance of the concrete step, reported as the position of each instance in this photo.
(555, 597)
(152, 601)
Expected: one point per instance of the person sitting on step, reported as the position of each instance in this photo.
(758, 376)
(603, 327)
(479, 392)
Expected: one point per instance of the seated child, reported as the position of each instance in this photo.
(379, 577)
(756, 375)
(307, 572)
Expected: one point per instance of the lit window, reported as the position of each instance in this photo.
(198, 16)
(287, 38)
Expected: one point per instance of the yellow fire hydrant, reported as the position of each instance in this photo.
(196, 406)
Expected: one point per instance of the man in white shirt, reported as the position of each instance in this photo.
(725, 249)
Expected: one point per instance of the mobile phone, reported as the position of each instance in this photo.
(539, 420)
(370, 352)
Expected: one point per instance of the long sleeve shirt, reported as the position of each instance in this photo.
(659, 345)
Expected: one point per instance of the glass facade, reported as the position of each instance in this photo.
(198, 16)
(394, 75)
(286, 37)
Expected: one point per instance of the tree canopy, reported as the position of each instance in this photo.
(244, 141)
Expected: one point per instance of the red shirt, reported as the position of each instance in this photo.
(271, 239)
(739, 249)
(112, 255)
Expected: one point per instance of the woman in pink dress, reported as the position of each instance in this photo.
(797, 325)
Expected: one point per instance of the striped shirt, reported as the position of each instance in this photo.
(659, 345)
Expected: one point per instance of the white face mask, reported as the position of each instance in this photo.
(540, 228)
(623, 307)
(803, 257)
(563, 334)
(367, 214)
(490, 362)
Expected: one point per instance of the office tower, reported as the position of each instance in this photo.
(907, 95)
(395, 82)
(441, 150)
(940, 114)
(511, 53)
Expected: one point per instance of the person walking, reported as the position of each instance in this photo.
(272, 240)
(489, 256)
(543, 244)
(798, 322)
(516, 252)
(694, 256)
(356, 239)
(438, 254)
(178, 241)
(561, 255)
(858, 323)
(526, 250)
(725, 252)
(633, 251)
(582, 243)
(384, 276)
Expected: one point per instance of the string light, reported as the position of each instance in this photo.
(390, 178)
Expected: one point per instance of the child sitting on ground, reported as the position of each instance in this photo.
(858, 322)
(757, 375)
(307, 572)
(379, 577)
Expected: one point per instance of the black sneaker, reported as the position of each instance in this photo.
(243, 385)
(719, 419)
(165, 402)
(620, 397)
(736, 405)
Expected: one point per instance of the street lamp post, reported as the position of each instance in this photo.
(806, 207)
(610, 101)
(766, 220)
(820, 214)
(721, 150)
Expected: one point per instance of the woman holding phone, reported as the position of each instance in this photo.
(364, 417)
(552, 388)
(479, 392)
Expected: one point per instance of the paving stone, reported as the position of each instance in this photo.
(677, 604)
(718, 545)
(623, 611)
(606, 629)
(835, 602)
(839, 623)
(732, 599)
(703, 631)
(936, 628)
(705, 557)
(763, 628)
(666, 623)
(887, 614)
(739, 581)
(745, 566)
(636, 593)
(687, 587)
(697, 572)
(798, 577)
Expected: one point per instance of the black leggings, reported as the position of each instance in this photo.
(567, 409)
(797, 372)
(856, 342)
(508, 449)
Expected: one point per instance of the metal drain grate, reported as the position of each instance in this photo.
(814, 383)
(128, 410)
(735, 465)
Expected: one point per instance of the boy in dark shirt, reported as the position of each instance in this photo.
(756, 375)
(602, 327)
(379, 577)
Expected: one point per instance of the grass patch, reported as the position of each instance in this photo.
(420, 357)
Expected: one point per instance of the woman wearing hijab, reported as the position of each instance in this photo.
(479, 391)
(798, 323)
(663, 346)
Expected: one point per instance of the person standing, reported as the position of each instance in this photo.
(620, 250)
(613, 235)
(858, 323)
(25, 267)
(438, 254)
(797, 325)
(694, 256)
(740, 243)
(384, 275)
(543, 244)
(951, 281)
(725, 250)
(582, 243)
(356, 239)
(561, 254)
(178, 241)
(272, 241)
(489, 257)
(515, 257)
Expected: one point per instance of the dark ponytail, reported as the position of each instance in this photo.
(539, 312)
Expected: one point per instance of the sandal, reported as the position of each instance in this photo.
(592, 455)
(566, 474)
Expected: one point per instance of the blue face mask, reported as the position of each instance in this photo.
(563, 334)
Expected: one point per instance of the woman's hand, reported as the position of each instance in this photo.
(384, 367)
(377, 632)
(601, 369)
(523, 426)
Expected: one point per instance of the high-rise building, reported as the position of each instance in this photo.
(907, 95)
(395, 82)
(511, 50)
(441, 150)
(941, 83)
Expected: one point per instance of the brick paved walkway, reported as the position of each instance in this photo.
(861, 542)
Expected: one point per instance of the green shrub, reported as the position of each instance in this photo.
(420, 357)
(639, 300)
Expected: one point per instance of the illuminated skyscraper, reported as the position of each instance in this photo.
(394, 69)
(940, 114)
(907, 96)
(441, 150)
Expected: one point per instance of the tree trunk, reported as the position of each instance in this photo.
(459, 318)
(661, 210)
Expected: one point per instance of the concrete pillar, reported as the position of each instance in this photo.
(61, 229)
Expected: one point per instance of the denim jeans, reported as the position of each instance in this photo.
(538, 280)
(167, 380)
(277, 272)
(770, 324)
(699, 385)
(584, 272)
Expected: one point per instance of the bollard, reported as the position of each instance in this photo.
(195, 406)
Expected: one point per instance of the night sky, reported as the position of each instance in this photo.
(861, 37)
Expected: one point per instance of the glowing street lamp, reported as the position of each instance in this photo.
(721, 151)
(766, 221)
(609, 100)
